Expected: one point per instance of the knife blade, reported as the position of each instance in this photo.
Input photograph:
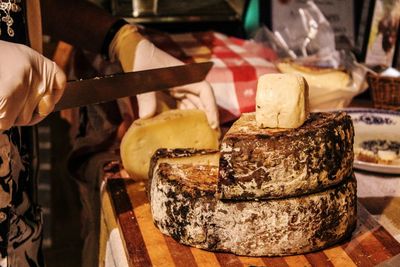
(107, 88)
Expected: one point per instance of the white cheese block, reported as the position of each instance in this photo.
(281, 101)
(171, 129)
(184, 206)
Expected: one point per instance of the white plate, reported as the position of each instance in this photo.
(375, 124)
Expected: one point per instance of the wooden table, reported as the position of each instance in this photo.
(129, 237)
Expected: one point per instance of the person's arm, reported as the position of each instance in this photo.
(87, 26)
(30, 85)
(77, 22)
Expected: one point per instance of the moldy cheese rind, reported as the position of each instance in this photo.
(184, 206)
(276, 163)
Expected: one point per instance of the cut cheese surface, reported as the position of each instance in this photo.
(187, 156)
(171, 129)
(281, 101)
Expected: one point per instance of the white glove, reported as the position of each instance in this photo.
(147, 56)
(30, 85)
(192, 96)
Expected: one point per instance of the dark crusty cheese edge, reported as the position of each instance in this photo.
(286, 163)
(254, 228)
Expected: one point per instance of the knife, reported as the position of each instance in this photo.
(102, 89)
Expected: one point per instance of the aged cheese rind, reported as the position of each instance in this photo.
(275, 163)
(184, 206)
(170, 129)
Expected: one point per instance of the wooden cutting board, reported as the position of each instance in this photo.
(145, 245)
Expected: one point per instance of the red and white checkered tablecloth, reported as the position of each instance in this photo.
(237, 65)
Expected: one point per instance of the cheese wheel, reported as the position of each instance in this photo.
(184, 206)
(170, 129)
(281, 101)
(276, 163)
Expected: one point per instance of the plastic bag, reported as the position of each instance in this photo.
(306, 46)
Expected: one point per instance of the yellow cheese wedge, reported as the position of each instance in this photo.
(171, 129)
(328, 79)
(281, 101)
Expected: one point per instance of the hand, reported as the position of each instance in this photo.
(30, 85)
(136, 53)
(191, 96)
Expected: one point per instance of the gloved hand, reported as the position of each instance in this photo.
(136, 53)
(30, 85)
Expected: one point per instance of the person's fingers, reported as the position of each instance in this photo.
(180, 105)
(180, 91)
(202, 96)
(212, 116)
(147, 105)
(186, 104)
(195, 100)
(47, 102)
(209, 105)
(15, 73)
(20, 103)
(44, 108)
(59, 81)
(177, 94)
(6, 118)
(25, 83)
(11, 105)
(29, 106)
(46, 92)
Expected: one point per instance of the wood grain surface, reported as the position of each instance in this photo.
(145, 245)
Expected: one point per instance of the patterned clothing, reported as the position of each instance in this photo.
(94, 146)
(20, 218)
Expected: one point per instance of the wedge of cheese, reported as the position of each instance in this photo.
(171, 129)
(328, 79)
(281, 101)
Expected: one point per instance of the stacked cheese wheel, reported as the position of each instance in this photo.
(266, 191)
(272, 193)
(274, 163)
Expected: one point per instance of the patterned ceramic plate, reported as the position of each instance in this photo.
(376, 140)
